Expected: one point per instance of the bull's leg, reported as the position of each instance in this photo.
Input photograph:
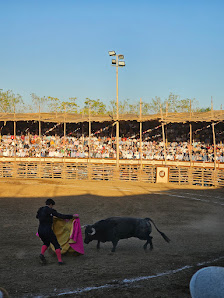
(149, 241)
(114, 244)
(98, 245)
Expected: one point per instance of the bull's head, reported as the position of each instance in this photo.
(89, 234)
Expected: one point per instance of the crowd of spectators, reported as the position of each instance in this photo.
(105, 147)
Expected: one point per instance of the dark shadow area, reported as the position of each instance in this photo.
(191, 217)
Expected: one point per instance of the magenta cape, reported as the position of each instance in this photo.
(69, 235)
(76, 236)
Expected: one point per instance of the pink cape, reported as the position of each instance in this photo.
(76, 236)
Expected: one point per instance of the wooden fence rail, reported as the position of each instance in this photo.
(178, 175)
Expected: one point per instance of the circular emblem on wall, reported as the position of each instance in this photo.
(162, 173)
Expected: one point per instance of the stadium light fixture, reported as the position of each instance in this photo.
(121, 63)
(112, 53)
(116, 62)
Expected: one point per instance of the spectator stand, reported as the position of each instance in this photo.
(33, 151)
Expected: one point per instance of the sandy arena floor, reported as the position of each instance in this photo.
(192, 218)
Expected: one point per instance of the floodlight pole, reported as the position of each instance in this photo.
(117, 64)
(140, 136)
(117, 125)
(213, 133)
(14, 131)
(89, 140)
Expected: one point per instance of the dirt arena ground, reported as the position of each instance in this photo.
(192, 218)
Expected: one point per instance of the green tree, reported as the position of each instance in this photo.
(53, 104)
(175, 104)
(97, 107)
(172, 103)
(38, 102)
(155, 104)
(112, 108)
(124, 107)
(145, 108)
(9, 102)
(204, 109)
(70, 106)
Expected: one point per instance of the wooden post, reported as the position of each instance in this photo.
(64, 124)
(164, 142)
(140, 116)
(40, 144)
(63, 171)
(111, 136)
(190, 145)
(39, 123)
(14, 122)
(14, 132)
(64, 128)
(117, 145)
(213, 133)
(82, 131)
(89, 143)
(163, 133)
(89, 131)
(166, 125)
(214, 143)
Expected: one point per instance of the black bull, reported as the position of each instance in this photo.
(115, 228)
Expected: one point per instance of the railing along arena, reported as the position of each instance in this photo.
(180, 173)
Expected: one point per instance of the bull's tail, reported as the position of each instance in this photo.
(161, 233)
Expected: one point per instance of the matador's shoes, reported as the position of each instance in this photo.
(61, 263)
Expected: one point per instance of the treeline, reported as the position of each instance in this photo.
(10, 103)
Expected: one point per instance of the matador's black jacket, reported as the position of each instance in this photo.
(45, 215)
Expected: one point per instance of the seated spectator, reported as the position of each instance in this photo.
(105, 147)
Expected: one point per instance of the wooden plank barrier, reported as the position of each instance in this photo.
(148, 174)
(50, 169)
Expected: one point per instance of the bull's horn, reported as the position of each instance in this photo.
(93, 232)
(82, 227)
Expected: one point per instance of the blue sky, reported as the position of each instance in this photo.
(60, 49)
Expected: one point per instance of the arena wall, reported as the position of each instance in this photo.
(180, 173)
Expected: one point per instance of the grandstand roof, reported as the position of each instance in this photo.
(217, 115)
